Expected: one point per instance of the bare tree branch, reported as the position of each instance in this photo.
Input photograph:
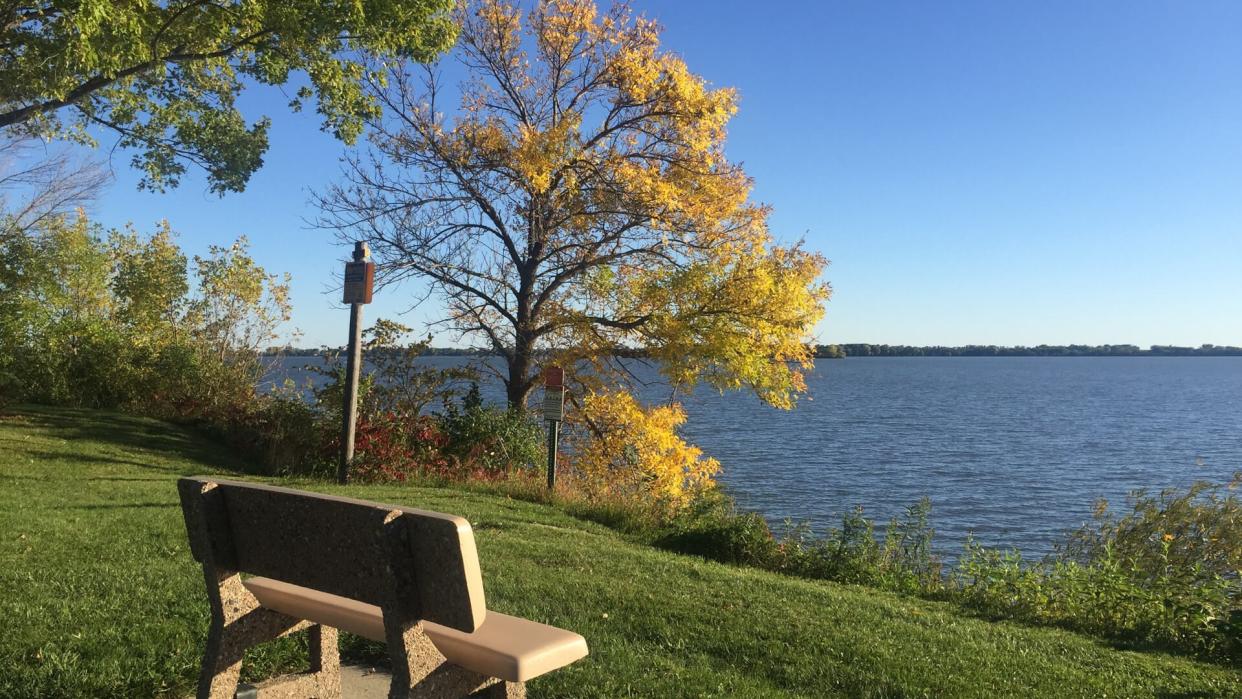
(37, 182)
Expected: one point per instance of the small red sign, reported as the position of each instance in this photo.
(554, 377)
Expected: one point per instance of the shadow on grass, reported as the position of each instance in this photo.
(123, 506)
(130, 434)
(44, 455)
(1117, 642)
(128, 479)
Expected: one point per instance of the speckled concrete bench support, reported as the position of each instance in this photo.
(406, 577)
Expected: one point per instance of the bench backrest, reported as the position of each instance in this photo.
(422, 564)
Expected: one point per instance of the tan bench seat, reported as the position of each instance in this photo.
(507, 647)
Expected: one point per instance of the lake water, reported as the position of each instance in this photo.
(1013, 449)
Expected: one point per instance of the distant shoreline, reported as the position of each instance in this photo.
(867, 350)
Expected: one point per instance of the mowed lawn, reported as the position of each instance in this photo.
(99, 596)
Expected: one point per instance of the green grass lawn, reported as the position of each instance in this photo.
(99, 596)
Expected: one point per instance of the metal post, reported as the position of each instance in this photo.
(554, 430)
(553, 412)
(353, 367)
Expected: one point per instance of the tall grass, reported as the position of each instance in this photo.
(1164, 574)
(1167, 573)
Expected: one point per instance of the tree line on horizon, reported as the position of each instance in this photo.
(870, 350)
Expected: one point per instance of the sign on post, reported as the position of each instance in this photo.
(359, 279)
(359, 282)
(554, 403)
(553, 376)
(554, 393)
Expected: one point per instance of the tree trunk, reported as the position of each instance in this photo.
(520, 384)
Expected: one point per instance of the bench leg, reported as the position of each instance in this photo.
(325, 656)
(324, 679)
(221, 668)
(419, 671)
(222, 657)
(238, 623)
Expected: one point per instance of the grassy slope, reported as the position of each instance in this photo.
(99, 596)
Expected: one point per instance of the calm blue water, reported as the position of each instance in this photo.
(1015, 449)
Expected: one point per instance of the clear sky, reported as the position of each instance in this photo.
(978, 172)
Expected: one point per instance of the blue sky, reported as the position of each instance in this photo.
(978, 172)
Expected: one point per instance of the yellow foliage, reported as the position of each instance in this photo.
(628, 450)
(538, 154)
(736, 323)
(561, 27)
(579, 206)
(502, 22)
(618, 52)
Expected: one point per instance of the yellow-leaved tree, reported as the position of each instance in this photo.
(635, 452)
(576, 205)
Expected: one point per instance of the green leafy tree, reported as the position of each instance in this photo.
(234, 313)
(55, 305)
(117, 320)
(166, 75)
(149, 281)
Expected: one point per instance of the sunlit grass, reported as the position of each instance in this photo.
(100, 596)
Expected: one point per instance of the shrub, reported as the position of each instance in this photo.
(399, 382)
(490, 438)
(1166, 574)
(1199, 528)
(711, 527)
(290, 435)
(902, 561)
(618, 448)
(391, 447)
(89, 319)
(744, 539)
(397, 440)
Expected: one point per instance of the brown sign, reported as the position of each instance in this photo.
(359, 282)
(553, 376)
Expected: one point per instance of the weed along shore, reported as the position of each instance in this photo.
(102, 596)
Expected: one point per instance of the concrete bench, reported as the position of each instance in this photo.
(405, 577)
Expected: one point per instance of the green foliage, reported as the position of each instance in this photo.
(166, 76)
(1166, 574)
(399, 383)
(109, 320)
(744, 539)
(1199, 527)
(283, 434)
(397, 437)
(902, 561)
(491, 438)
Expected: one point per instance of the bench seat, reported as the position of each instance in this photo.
(507, 647)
